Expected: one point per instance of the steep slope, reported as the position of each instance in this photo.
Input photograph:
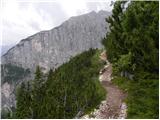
(52, 48)
(61, 95)
(11, 76)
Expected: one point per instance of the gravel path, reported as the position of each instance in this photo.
(113, 107)
(114, 101)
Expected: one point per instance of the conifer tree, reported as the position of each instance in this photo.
(37, 93)
(132, 47)
(114, 39)
(23, 102)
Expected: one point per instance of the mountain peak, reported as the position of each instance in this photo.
(53, 47)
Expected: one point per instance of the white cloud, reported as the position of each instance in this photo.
(71, 7)
(23, 18)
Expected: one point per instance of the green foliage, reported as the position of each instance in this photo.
(123, 63)
(23, 101)
(70, 89)
(122, 82)
(114, 39)
(11, 73)
(8, 113)
(137, 33)
(133, 46)
(142, 100)
(37, 92)
(5, 114)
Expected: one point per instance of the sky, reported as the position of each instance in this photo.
(22, 18)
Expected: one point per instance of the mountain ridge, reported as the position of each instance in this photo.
(101, 11)
(52, 48)
(70, 32)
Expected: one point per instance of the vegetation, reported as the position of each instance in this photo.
(23, 102)
(5, 114)
(133, 48)
(11, 73)
(71, 89)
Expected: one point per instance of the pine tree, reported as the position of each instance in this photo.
(37, 93)
(132, 46)
(60, 96)
(114, 39)
(23, 102)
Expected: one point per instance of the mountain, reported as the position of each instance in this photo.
(54, 47)
(50, 49)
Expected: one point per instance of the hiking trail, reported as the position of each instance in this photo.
(113, 107)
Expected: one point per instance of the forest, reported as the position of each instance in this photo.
(12, 73)
(133, 49)
(71, 90)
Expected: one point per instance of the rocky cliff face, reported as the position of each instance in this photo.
(54, 47)
(50, 49)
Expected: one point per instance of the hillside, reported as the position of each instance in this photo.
(55, 98)
(52, 48)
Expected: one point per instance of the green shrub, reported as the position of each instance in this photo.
(143, 96)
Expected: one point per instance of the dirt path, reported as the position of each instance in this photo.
(114, 99)
(113, 107)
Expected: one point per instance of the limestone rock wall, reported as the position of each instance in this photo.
(53, 47)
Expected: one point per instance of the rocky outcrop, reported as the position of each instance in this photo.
(52, 48)
(11, 77)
